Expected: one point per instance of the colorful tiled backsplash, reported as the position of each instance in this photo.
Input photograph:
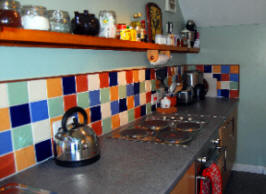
(28, 109)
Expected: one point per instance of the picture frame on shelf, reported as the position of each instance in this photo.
(170, 5)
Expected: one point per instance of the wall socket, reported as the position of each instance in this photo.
(58, 124)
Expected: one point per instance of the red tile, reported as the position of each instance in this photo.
(104, 80)
(225, 77)
(137, 112)
(152, 74)
(234, 93)
(200, 68)
(129, 76)
(7, 165)
(82, 83)
(148, 97)
(97, 127)
(70, 101)
(169, 72)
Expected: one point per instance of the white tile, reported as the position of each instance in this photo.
(94, 82)
(207, 75)
(3, 96)
(225, 85)
(122, 78)
(37, 90)
(141, 75)
(142, 98)
(123, 118)
(148, 85)
(106, 110)
(41, 131)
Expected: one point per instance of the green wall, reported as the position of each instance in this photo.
(20, 63)
(244, 45)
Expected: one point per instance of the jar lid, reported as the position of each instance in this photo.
(9, 5)
(58, 15)
(34, 10)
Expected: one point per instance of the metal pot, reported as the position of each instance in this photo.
(78, 145)
(185, 96)
(192, 78)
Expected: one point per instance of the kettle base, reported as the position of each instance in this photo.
(77, 163)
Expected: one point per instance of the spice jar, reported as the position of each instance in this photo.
(107, 21)
(9, 13)
(34, 17)
(59, 21)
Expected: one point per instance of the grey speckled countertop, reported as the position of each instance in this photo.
(129, 167)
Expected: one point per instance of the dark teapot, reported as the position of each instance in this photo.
(85, 23)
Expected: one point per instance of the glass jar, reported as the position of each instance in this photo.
(35, 18)
(107, 24)
(9, 13)
(59, 21)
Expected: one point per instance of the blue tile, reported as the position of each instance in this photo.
(122, 105)
(69, 85)
(147, 74)
(234, 77)
(225, 93)
(20, 115)
(136, 99)
(94, 97)
(96, 113)
(136, 88)
(217, 76)
(39, 110)
(143, 110)
(219, 92)
(130, 89)
(114, 107)
(113, 78)
(5, 142)
(207, 68)
(43, 150)
(225, 69)
(179, 70)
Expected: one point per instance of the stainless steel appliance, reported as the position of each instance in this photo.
(77, 145)
(185, 96)
(192, 78)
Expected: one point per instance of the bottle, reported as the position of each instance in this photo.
(197, 41)
(143, 33)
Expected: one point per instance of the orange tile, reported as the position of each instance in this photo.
(234, 69)
(130, 102)
(129, 76)
(81, 118)
(97, 128)
(216, 69)
(136, 76)
(70, 101)
(114, 93)
(218, 85)
(82, 83)
(4, 119)
(115, 121)
(52, 120)
(25, 158)
(54, 87)
(7, 165)
(88, 114)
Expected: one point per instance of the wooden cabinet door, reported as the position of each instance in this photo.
(186, 185)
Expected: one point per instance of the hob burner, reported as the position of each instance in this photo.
(188, 127)
(153, 125)
(135, 133)
(174, 137)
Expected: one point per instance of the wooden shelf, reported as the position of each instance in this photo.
(36, 38)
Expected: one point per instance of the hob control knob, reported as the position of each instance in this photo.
(202, 159)
(189, 118)
(181, 118)
(216, 141)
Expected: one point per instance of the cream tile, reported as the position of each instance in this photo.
(37, 90)
(141, 75)
(41, 131)
(3, 96)
(142, 98)
(123, 118)
(106, 110)
(94, 82)
(148, 85)
(122, 78)
(225, 85)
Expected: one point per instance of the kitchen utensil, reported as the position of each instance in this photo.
(185, 96)
(200, 91)
(78, 145)
(172, 87)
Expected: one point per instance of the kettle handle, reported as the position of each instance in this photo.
(72, 111)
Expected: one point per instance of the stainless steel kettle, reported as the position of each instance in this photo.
(76, 144)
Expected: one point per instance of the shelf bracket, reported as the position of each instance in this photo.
(153, 55)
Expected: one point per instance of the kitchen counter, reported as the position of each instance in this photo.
(130, 167)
